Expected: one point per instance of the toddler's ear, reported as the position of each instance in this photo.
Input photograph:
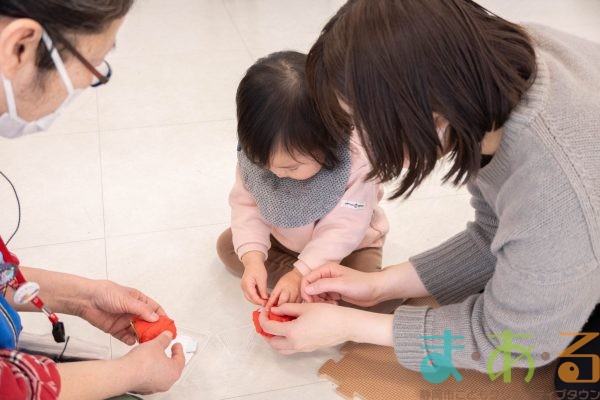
(441, 126)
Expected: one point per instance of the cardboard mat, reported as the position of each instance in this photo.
(372, 372)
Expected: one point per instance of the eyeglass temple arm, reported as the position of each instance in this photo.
(75, 52)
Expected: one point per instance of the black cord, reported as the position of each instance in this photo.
(18, 207)
(60, 357)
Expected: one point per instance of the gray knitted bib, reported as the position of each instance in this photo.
(290, 203)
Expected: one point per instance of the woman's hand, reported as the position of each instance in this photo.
(325, 325)
(156, 372)
(104, 304)
(333, 282)
(287, 289)
(145, 369)
(110, 307)
(317, 326)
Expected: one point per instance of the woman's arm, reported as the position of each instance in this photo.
(100, 379)
(62, 293)
(401, 281)
(325, 325)
(104, 304)
(462, 265)
(146, 369)
(336, 282)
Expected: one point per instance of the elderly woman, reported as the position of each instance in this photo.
(50, 51)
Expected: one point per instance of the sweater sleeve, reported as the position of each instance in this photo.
(464, 264)
(249, 229)
(341, 231)
(27, 377)
(545, 282)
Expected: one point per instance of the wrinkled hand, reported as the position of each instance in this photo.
(154, 369)
(110, 307)
(254, 283)
(287, 289)
(333, 282)
(317, 326)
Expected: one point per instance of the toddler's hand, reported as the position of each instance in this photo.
(254, 283)
(287, 289)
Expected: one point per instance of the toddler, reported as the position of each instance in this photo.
(300, 199)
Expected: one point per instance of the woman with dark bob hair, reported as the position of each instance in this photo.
(516, 112)
(51, 50)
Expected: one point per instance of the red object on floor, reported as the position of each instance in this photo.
(272, 317)
(145, 330)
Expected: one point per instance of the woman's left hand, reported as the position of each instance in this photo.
(317, 325)
(110, 307)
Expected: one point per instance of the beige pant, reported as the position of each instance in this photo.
(281, 260)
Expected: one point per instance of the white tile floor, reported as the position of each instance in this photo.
(131, 184)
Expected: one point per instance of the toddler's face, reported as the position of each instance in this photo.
(295, 166)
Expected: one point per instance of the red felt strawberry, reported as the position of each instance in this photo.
(272, 317)
(145, 330)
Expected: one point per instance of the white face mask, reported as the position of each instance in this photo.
(11, 125)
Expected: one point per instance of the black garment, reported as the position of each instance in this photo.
(485, 159)
(582, 368)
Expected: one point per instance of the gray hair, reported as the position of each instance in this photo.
(66, 17)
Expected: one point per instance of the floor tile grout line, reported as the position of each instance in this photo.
(101, 185)
(188, 227)
(36, 246)
(409, 200)
(100, 131)
(180, 228)
(165, 125)
(237, 29)
(273, 390)
(570, 28)
(174, 54)
(102, 200)
(389, 205)
(69, 133)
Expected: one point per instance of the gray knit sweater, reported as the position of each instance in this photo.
(534, 247)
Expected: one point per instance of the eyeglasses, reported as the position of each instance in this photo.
(102, 73)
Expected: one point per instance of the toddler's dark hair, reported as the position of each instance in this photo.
(276, 111)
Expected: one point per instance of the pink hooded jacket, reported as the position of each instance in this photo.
(356, 222)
